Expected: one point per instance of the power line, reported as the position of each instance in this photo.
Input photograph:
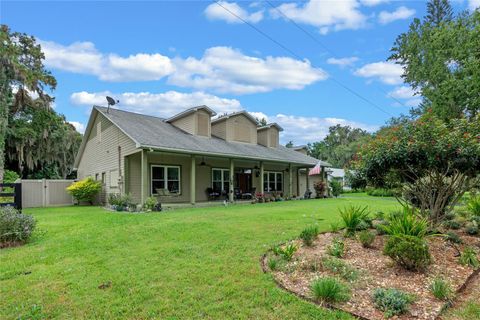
(300, 58)
(315, 39)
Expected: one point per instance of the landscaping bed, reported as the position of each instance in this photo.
(375, 270)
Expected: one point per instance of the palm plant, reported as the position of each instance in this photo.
(352, 217)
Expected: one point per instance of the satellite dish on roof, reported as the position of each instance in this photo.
(111, 102)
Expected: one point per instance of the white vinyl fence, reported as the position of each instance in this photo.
(45, 193)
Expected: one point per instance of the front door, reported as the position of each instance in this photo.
(244, 181)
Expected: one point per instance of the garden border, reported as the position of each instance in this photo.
(446, 306)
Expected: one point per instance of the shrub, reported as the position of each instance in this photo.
(366, 238)
(319, 187)
(288, 251)
(352, 216)
(10, 176)
(471, 228)
(380, 192)
(340, 267)
(336, 188)
(337, 248)
(408, 251)
(121, 202)
(85, 190)
(329, 289)
(15, 226)
(392, 301)
(452, 224)
(308, 235)
(406, 223)
(453, 238)
(468, 257)
(441, 289)
(150, 204)
(473, 205)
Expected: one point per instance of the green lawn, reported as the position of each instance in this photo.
(182, 264)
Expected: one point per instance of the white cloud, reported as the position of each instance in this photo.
(342, 62)
(216, 12)
(324, 15)
(473, 4)
(223, 69)
(401, 13)
(407, 94)
(259, 115)
(302, 130)
(159, 104)
(84, 58)
(387, 72)
(372, 3)
(80, 127)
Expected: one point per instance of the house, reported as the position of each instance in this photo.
(190, 157)
(336, 174)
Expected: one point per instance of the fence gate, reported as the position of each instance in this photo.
(11, 195)
(46, 193)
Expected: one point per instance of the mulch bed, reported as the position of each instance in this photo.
(379, 271)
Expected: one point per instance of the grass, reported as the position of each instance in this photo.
(189, 263)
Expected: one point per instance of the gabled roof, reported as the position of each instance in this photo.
(191, 110)
(233, 114)
(157, 134)
(273, 124)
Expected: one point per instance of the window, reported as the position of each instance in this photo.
(165, 177)
(96, 176)
(220, 179)
(272, 181)
(104, 177)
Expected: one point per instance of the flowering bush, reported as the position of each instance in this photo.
(15, 226)
(85, 190)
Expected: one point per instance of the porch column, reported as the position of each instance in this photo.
(126, 174)
(144, 177)
(307, 170)
(261, 178)
(230, 191)
(193, 183)
(298, 182)
(290, 179)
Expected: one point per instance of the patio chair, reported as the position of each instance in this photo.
(249, 195)
(307, 194)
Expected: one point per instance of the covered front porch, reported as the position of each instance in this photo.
(195, 178)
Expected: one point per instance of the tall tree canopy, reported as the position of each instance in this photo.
(441, 60)
(338, 147)
(22, 69)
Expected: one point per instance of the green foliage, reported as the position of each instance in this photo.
(428, 154)
(452, 224)
(309, 234)
(330, 290)
(380, 192)
(15, 226)
(453, 238)
(10, 176)
(472, 228)
(392, 301)
(335, 226)
(352, 216)
(122, 202)
(85, 190)
(439, 57)
(441, 289)
(150, 203)
(337, 248)
(338, 147)
(366, 238)
(468, 257)
(340, 267)
(473, 205)
(287, 251)
(408, 251)
(336, 188)
(406, 223)
(273, 263)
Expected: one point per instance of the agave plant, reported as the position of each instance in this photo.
(407, 223)
(352, 217)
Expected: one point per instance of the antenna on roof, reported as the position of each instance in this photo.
(111, 102)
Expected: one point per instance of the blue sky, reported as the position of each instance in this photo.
(160, 57)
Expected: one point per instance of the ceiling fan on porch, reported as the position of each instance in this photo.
(203, 163)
